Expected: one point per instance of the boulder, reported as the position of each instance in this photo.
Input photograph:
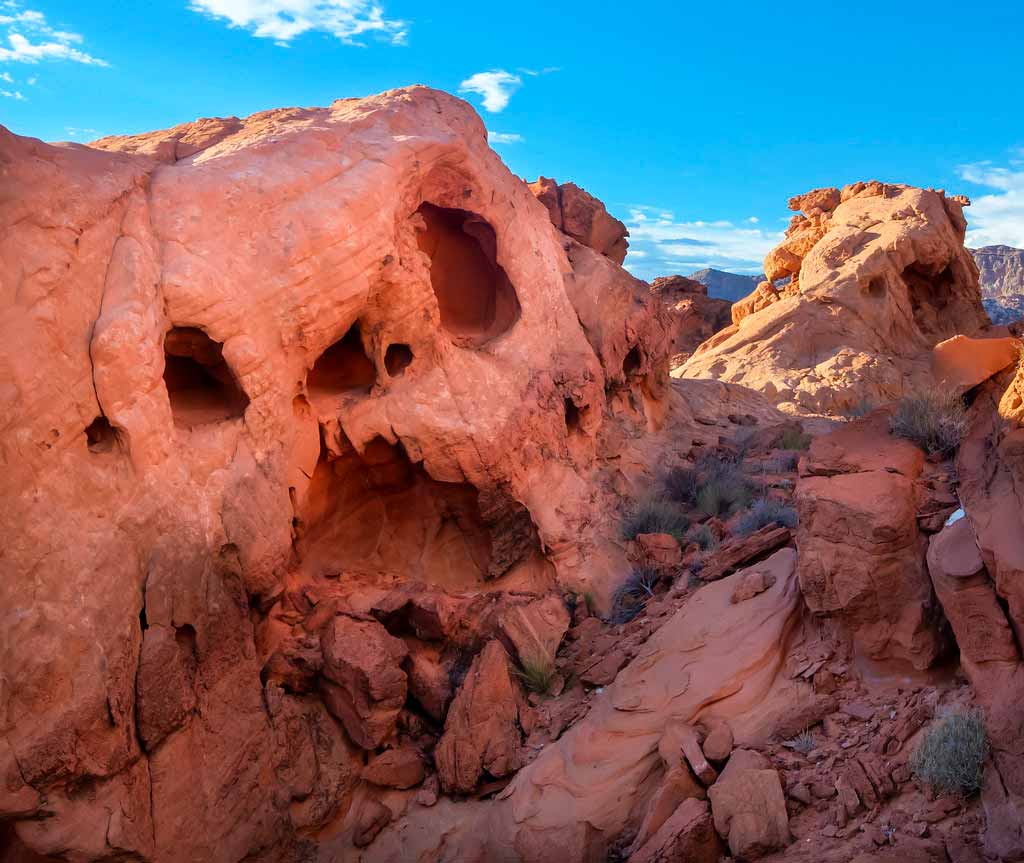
(659, 549)
(962, 363)
(749, 810)
(364, 684)
(395, 768)
(873, 284)
(534, 630)
(687, 836)
(482, 732)
(718, 744)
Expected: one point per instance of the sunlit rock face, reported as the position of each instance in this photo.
(258, 375)
(866, 282)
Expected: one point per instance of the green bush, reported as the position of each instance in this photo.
(537, 675)
(951, 757)
(934, 420)
(724, 496)
(656, 516)
(681, 484)
(703, 537)
(765, 512)
(794, 439)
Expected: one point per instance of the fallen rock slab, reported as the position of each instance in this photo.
(749, 809)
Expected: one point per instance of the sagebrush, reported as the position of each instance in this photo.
(656, 516)
(765, 512)
(794, 439)
(935, 420)
(703, 537)
(681, 485)
(951, 756)
(633, 593)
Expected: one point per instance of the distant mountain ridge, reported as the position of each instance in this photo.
(1002, 282)
(726, 286)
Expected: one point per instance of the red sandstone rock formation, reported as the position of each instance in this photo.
(576, 212)
(296, 407)
(697, 316)
(866, 282)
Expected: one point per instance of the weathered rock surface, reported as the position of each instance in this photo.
(257, 374)
(576, 212)
(696, 316)
(750, 812)
(861, 550)
(866, 282)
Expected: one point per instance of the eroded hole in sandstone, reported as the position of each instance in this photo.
(200, 385)
(631, 363)
(379, 512)
(572, 416)
(344, 368)
(477, 301)
(876, 287)
(100, 435)
(397, 359)
(930, 292)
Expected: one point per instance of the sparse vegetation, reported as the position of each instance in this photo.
(802, 742)
(859, 409)
(681, 485)
(951, 757)
(934, 420)
(794, 439)
(633, 593)
(701, 535)
(537, 675)
(724, 497)
(765, 512)
(656, 516)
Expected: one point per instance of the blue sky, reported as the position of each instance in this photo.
(693, 123)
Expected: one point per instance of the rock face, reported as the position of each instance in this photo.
(1001, 271)
(861, 551)
(291, 404)
(866, 282)
(576, 212)
(697, 317)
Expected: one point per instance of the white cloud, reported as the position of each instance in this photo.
(496, 87)
(5, 76)
(283, 20)
(15, 95)
(996, 218)
(74, 132)
(45, 43)
(504, 137)
(661, 245)
(753, 220)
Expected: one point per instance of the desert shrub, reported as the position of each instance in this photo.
(802, 743)
(934, 420)
(951, 757)
(702, 535)
(765, 512)
(859, 409)
(788, 461)
(537, 675)
(633, 593)
(656, 516)
(794, 439)
(681, 484)
(724, 496)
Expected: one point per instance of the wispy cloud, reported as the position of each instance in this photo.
(75, 133)
(283, 20)
(13, 94)
(31, 39)
(504, 137)
(496, 87)
(661, 245)
(996, 218)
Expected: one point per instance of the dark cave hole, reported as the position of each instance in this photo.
(476, 299)
(876, 287)
(572, 416)
(143, 623)
(930, 292)
(100, 435)
(343, 368)
(631, 364)
(200, 385)
(396, 359)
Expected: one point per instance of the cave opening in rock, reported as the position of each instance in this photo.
(100, 435)
(397, 359)
(200, 385)
(344, 368)
(572, 416)
(380, 513)
(476, 299)
(876, 287)
(930, 291)
(631, 363)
